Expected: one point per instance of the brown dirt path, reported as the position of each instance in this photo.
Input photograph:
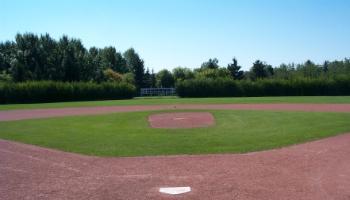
(57, 112)
(317, 170)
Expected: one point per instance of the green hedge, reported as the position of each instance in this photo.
(232, 88)
(49, 91)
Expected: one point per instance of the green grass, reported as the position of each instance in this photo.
(175, 100)
(128, 134)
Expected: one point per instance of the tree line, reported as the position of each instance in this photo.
(32, 57)
(35, 58)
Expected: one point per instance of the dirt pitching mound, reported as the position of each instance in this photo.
(181, 120)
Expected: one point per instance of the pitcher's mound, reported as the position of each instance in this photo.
(181, 120)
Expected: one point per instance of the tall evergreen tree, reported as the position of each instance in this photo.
(112, 59)
(67, 58)
(235, 71)
(49, 59)
(27, 58)
(136, 65)
(7, 54)
(94, 69)
(165, 79)
(210, 64)
(153, 79)
(147, 79)
(182, 73)
(325, 67)
(258, 70)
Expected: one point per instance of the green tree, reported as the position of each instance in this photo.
(49, 59)
(260, 70)
(112, 59)
(93, 69)
(325, 67)
(309, 70)
(165, 79)
(211, 64)
(27, 58)
(235, 70)
(182, 73)
(19, 72)
(135, 65)
(7, 53)
(147, 79)
(153, 79)
(33, 57)
(129, 78)
(67, 60)
(284, 71)
(212, 73)
(269, 70)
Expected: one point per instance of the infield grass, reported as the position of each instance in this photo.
(129, 134)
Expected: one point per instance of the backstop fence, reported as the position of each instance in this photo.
(157, 92)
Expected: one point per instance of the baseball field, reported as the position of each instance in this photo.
(225, 147)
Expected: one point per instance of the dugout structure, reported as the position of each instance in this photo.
(157, 92)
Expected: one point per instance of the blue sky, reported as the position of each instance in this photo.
(171, 33)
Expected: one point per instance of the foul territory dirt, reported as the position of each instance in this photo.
(318, 170)
(181, 120)
(57, 112)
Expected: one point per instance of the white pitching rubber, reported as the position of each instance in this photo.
(179, 118)
(175, 190)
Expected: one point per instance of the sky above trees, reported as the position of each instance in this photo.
(171, 33)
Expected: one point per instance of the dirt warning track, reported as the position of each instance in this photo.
(58, 112)
(317, 170)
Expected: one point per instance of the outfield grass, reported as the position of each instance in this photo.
(175, 100)
(128, 134)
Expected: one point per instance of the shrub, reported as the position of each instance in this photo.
(49, 91)
(208, 88)
(266, 87)
(111, 75)
(129, 78)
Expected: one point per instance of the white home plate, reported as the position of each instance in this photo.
(174, 190)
